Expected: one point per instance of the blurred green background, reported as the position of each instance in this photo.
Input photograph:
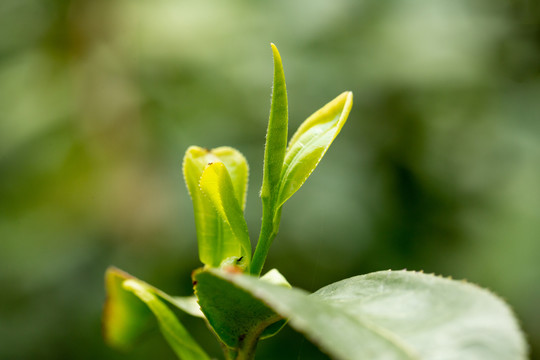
(437, 169)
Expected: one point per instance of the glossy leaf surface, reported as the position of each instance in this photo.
(237, 317)
(310, 142)
(215, 238)
(397, 315)
(217, 185)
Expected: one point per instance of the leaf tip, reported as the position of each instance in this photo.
(348, 95)
(275, 52)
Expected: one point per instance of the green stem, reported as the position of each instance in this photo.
(247, 346)
(269, 229)
(247, 351)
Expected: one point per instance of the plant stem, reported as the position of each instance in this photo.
(269, 229)
(247, 351)
(246, 347)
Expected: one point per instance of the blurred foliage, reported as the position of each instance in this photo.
(438, 167)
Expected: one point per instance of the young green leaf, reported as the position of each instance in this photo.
(274, 154)
(215, 238)
(276, 135)
(216, 184)
(396, 315)
(237, 318)
(125, 317)
(184, 346)
(305, 150)
(310, 142)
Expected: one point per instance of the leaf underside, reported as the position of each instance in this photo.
(183, 345)
(397, 315)
(125, 317)
(130, 306)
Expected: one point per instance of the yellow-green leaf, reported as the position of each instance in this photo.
(217, 185)
(310, 142)
(215, 238)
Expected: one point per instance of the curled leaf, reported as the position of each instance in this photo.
(217, 185)
(215, 238)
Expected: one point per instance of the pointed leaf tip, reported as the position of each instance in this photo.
(275, 51)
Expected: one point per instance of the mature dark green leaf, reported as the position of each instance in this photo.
(215, 238)
(396, 315)
(216, 184)
(237, 317)
(310, 142)
(184, 346)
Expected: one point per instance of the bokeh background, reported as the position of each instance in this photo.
(437, 169)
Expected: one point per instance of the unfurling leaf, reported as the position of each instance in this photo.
(217, 185)
(396, 315)
(215, 238)
(310, 142)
